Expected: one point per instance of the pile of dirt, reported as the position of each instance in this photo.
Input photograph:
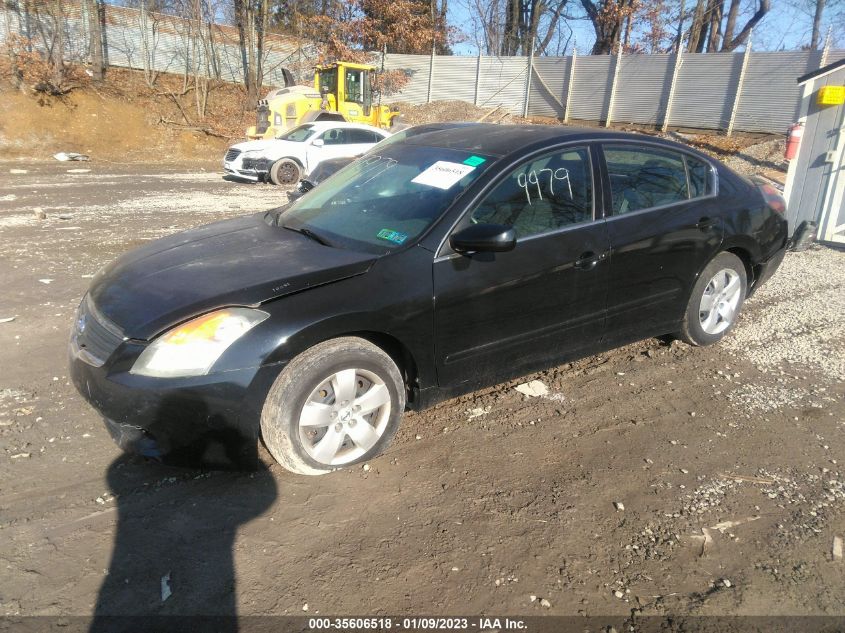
(443, 111)
(124, 120)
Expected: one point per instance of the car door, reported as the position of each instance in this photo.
(504, 314)
(664, 225)
(331, 143)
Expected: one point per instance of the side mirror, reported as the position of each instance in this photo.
(483, 238)
(318, 142)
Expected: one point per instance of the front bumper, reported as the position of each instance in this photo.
(241, 173)
(209, 420)
(252, 169)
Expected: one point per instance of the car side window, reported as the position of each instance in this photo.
(334, 136)
(362, 136)
(644, 177)
(544, 194)
(700, 177)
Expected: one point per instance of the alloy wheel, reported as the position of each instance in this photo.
(720, 301)
(344, 417)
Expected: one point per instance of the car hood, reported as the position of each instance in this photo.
(268, 146)
(243, 261)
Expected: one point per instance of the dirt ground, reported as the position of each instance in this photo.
(655, 479)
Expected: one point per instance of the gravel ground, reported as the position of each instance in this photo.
(763, 156)
(653, 479)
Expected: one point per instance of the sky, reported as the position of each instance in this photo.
(784, 27)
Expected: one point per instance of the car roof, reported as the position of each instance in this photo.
(325, 125)
(499, 140)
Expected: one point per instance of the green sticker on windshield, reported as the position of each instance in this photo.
(474, 161)
(392, 236)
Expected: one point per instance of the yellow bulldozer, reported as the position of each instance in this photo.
(343, 91)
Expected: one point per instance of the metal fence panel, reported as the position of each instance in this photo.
(591, 87)
(416, 68)
(642, 88)
(502, 83)
(704, 93)
(548, 86)
(454, 78)
(767, 102)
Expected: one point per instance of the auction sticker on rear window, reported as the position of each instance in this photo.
(392, 236)
(443, 174)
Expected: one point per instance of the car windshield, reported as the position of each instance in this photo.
(383, 201)
(298, 134)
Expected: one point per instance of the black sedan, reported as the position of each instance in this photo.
(445, 262)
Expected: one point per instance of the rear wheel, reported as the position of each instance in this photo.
(285, 172)
(716, 300)
(336, 404)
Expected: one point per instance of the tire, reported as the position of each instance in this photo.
(715, 302)
(334, 436)
(285, 171)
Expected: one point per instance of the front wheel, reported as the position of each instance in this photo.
(336, 404)
(285, 172)
(716, 300)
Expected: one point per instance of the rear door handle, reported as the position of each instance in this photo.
(706, 223)
(587, 260)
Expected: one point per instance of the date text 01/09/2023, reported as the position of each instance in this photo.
(485, 623)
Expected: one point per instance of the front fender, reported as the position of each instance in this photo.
(393, 300)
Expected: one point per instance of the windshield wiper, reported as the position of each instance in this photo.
(309, 233)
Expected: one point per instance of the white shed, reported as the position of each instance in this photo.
(815, 181)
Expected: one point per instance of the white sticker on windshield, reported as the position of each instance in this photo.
(443, 174)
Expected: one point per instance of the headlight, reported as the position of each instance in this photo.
(192, 348)
(255, 153)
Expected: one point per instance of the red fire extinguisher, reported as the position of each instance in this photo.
(793, 140)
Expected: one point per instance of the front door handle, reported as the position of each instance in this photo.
(587, 260)
(706, 223)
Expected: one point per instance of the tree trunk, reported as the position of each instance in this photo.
(695, 26)
(607, 32)
(57, 48)
(817, 25)
(716, 9)
(731, 44)
(96, 19)
(246, 31)
(17, 75)
(681, 17)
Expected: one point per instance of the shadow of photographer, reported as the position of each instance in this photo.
(173, 547)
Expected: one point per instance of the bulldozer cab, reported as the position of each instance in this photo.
(347, 88)
(342, 91)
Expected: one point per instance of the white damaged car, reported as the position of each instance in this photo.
(295, 153)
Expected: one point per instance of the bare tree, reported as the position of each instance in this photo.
(96, 27)
(706, 32)
(509, 27)
(148, 24)
(608, 18)
(815, 39)
(251, 18)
